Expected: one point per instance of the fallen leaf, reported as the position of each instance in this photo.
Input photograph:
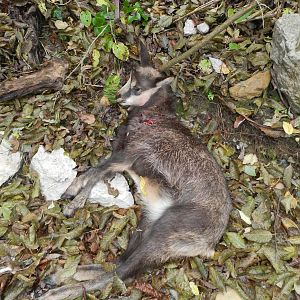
(250, 159)
(194, 288)
(238, 121)
(60, 24)
(288, 128)
(252, 87)
(259, 236)
(87, 118)
(288, 223)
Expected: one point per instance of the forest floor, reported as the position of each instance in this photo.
(253, 140)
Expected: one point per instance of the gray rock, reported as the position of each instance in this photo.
(286, 58)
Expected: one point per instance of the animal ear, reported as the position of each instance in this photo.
(144, 56)
(166, 81)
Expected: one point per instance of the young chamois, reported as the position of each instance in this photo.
(186, 203)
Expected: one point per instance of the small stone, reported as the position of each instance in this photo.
(203, 28)
(216, 64)
(252, 87)
(189, 27)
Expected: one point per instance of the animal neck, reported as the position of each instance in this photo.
(162, 102)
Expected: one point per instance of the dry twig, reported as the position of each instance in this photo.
(209, 37)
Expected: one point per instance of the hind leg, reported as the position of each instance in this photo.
(136, 238)
(179, 232)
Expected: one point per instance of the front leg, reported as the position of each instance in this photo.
(81, 187)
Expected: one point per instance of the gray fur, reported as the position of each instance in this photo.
(186, 201)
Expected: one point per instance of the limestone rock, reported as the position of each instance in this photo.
(228, 294)
(56, 172)
(189, 27)
(252, 87)
(100, 193)
(286, 57)
(10, 163)
(203, 28)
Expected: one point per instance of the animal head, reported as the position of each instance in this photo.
(143, 82)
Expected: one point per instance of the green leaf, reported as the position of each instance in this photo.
(216, 278)
(230, 12)
(289, 201)
(120, 51)
(236, 240)
(243, 17)
(165, 21)
(57, 13)
(259, 236)
(86, 18)
(99, 19)
(133, 18)
(69, 268)
(245, 218)
(101, 30)
(250, 170)
(274, 258)
(210, 95)
(103, 2)
(233, 46)
(111, 87)
(295, 240)
(205, 66)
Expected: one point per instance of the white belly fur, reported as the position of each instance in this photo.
(154, 199)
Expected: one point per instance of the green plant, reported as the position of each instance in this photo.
(111, 86)
(103, 24)
(134, 12)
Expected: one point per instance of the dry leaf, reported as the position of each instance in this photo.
(288, 128)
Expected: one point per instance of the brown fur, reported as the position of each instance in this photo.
(186, 201)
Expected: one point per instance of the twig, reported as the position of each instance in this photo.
(199, 8)
(208, 37)
(117, 10)
(86, 53)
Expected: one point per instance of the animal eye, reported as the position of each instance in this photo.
(137, 91)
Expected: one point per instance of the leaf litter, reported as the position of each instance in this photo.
(258, 258)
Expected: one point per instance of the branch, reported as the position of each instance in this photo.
(50, 77)
(208, 37)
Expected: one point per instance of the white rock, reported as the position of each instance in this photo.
(100, 194)
(216, 64)
(189, 27)
(10, 163)
(55, 172)
(228, 294)
(203, 28)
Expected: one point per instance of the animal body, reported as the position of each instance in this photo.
(186, 203)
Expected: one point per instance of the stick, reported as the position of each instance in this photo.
(208, 37)
(199, 8)
(50, 77)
